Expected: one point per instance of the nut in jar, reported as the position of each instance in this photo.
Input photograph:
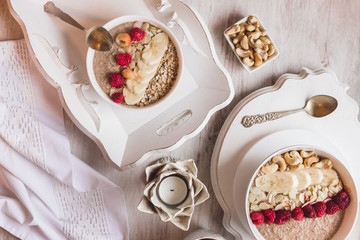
(251, 43)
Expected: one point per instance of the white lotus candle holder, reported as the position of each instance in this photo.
(173, 191)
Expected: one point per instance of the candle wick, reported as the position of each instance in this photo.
(172, 190)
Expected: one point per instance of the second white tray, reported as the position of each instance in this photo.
(340, 129)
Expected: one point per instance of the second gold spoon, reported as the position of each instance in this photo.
(317, 106)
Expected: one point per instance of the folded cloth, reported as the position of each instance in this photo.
(45, 191)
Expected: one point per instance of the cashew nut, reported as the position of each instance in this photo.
(263, 33)
(279, 160)
(242, 53)
(325, 163)
(251, 42)
(265, 40)
(252, 53)
(254, 21)
(244, 43)
(233, 29)
(237, 38)
(310, 160)
(293, 158)
(306, 154)
(248, 62)
(258, 59)
(233, 35)
(296, 167)
(271, 50)
(255, 34)
(250, 27)
(259, 44)
(270, 168)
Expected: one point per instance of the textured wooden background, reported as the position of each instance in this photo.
(312, 34)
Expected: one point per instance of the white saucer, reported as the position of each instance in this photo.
(341, 129)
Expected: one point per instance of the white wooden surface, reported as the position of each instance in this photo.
(311, 34)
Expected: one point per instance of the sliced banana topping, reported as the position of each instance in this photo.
(304, 179)
(146, 68)
(315, 175)
(329, 176)
(279, 182)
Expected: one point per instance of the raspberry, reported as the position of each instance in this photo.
(116, 80)
(117, 97)
(137, 34)
(297, 214)
(309, 211)
(269, 216)
(320, 208)
(257, 218)
(331, 207)
(123, 59)
(282, 216)
(342, 199)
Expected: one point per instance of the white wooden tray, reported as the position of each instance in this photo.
(59, 52)
(235, 142)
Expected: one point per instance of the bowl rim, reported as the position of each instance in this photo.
(133, 18)
(339, 159)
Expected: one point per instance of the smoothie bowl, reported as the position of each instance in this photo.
(301, 192)
(142, 68)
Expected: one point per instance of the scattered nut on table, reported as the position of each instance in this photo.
(251, 41)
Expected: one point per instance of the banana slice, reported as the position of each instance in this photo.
(135, 87)
(315, 175)
(279, 182)
(329, 175)
(146, 68)
(130, 97)
(158, 45)
(304, 179)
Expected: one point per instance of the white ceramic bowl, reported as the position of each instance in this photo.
(253, 68)
(131, 18)
(351, 211)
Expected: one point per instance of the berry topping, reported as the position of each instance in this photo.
(269, 216)
(331, 207)
(117, 97)
(342, 199)
(320, 208)
(123, 59)
(117, 80)
(309, 211)
(257, 218)
(297, 214)
(137, 34)
(282, 216)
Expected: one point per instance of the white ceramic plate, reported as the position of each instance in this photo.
(127, 138)
(341, 128)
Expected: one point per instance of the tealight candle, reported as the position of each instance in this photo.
(172, 190)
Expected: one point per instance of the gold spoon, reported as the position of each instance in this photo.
(98, 38)
(317, 106)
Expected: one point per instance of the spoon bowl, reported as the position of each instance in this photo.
(320, 105)
(99, 39)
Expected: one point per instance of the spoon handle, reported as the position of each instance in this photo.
(248, 121)
(50, 8)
